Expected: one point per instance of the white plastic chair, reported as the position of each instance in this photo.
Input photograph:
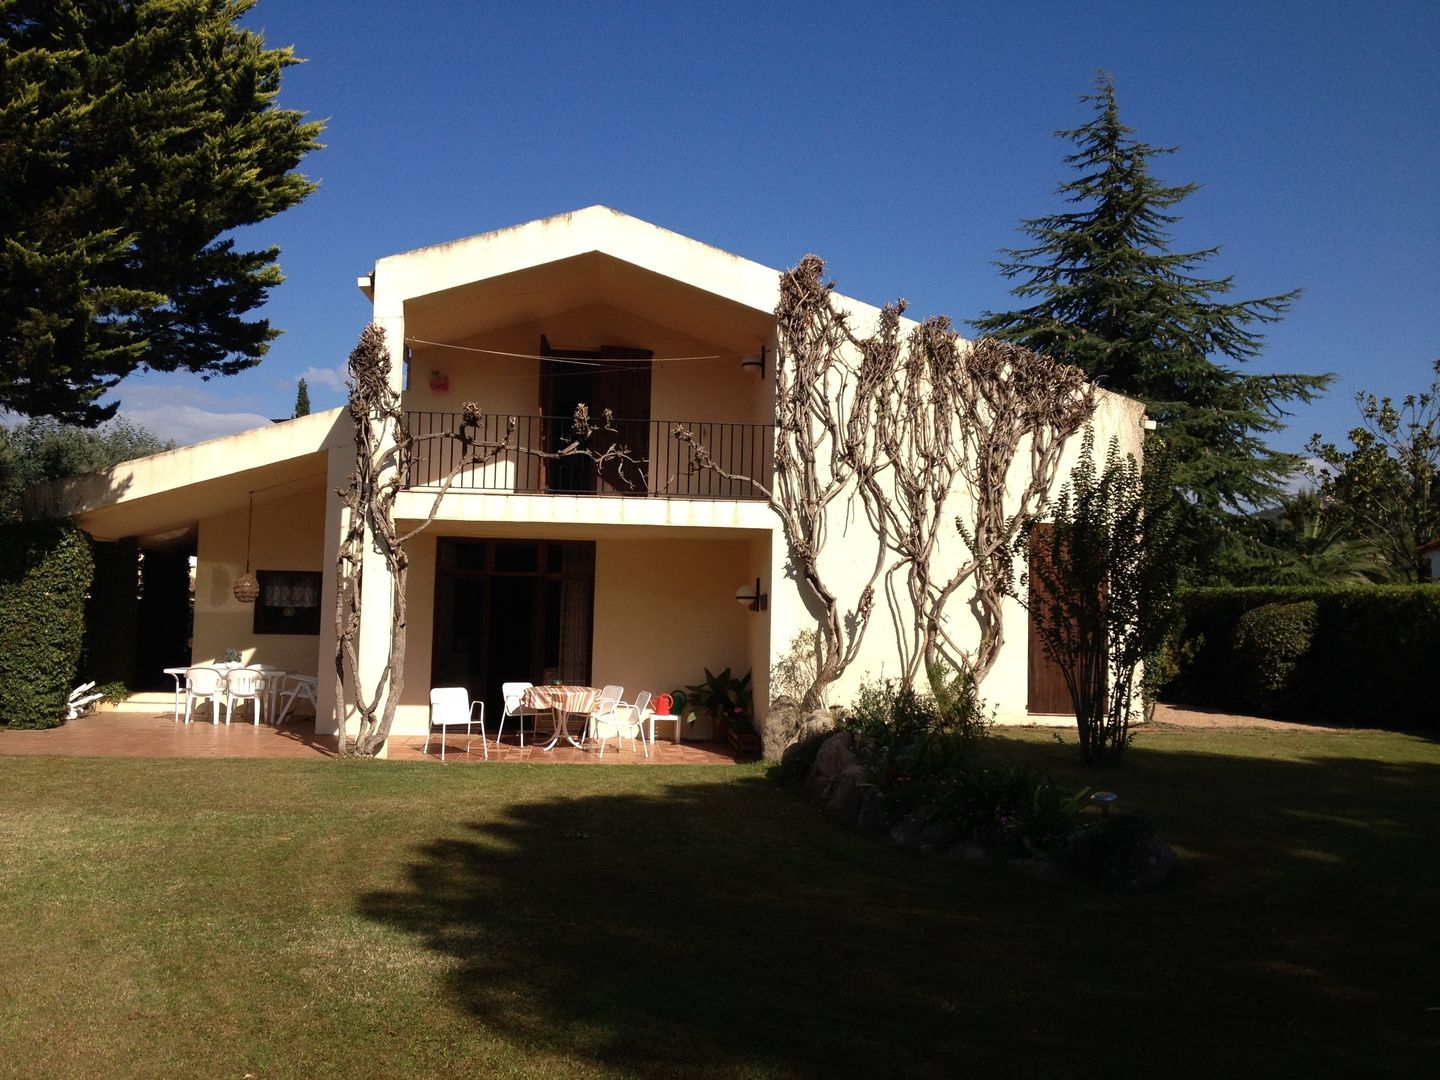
(298, 687)
(512, 692)
(246, 684)
(623, 720)
(178, 675)
(206, 682)
(610, 696)
(450, 706)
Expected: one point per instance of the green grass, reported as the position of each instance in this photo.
(299, 919)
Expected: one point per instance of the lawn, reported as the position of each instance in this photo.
(300, 919)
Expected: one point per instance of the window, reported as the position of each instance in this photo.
(289, 602)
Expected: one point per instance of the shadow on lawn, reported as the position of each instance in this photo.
(650, 933)
(723, 929)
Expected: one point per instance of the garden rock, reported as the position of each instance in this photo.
(939, 836)
(847, 794)
(908, 832)
(801, 742)
(873, 815)
(837, 753)
(969, 851)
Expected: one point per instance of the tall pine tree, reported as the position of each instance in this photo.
(135, 137)
(1113, 299)
(302, 399)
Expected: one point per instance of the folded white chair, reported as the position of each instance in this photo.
(513, 692)
(296, 688)
(610, 696)
(623, 720)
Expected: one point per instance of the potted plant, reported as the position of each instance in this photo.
(728, 700)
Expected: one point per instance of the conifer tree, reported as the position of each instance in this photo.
(302, 399)
(135, 136)
(1111, 298)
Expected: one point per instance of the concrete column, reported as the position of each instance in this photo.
(341, 462)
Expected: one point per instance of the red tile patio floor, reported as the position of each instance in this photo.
(158, 736)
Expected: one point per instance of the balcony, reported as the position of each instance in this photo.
(664, 471)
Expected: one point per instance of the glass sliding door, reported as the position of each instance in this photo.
(512, 611)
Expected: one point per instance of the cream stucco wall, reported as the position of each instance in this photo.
(665, 611)
(681, 389)
(665, 608)
(287, 534)
(850, 555)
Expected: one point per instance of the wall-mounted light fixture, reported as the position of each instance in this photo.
(246, 587)
(752, 597)
(755, 363)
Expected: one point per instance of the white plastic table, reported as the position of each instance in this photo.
(663, 717)
(274, 677)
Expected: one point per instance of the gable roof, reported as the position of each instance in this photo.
(527, 273)
(561, 237)
(160, 497)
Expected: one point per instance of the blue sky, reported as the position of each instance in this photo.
(903, 143)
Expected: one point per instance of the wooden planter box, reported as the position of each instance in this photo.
(742, 742)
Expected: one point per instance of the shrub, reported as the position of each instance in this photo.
(1367, 661)
(1270, 644)
(919, 752)
(794, 674)
(919, 756)
(1120, 851)
(1011, 808)
(961, 709)
(45, 572)
(905, 744)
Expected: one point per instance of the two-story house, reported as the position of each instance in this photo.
(535, 569)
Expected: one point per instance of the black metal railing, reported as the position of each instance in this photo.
(659, 465)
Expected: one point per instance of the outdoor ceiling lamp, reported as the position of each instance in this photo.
(754, 363)
(246, 587)
(752, 597)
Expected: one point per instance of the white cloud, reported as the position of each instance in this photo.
(333, 378)
(182, 422)
(1303, 479)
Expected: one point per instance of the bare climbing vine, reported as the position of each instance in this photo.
(824, 442)
(909, 425)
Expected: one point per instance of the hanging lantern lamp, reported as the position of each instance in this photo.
(247, 587)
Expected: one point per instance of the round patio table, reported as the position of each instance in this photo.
(564, 702)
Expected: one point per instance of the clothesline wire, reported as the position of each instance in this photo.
(571, 359)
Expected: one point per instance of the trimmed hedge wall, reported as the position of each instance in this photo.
(1363, 655)
(45, 572)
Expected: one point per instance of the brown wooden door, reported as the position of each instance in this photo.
(622, 385)
(612, 377)
(1047, 690)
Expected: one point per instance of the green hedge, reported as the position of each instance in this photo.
(45, 573)
(1359, 655)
